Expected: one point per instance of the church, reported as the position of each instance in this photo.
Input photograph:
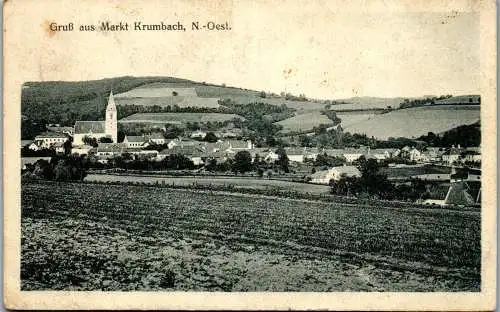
(98, 129)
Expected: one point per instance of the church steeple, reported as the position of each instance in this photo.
(111, 119)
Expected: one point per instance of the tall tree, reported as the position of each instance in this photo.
(282, 160)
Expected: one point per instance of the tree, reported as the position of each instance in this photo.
(211, 164)
(90, 141)
(174, 93)
(67, 147)
(172, 131)
(120, 136)
(211, 137)
(105, 140)
(282, 160)
(262, 94)
(242, 162)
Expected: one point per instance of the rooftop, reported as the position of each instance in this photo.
(90, 127)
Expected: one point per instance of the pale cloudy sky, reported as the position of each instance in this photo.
(318, 48)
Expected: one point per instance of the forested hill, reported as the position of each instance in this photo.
(64, 102)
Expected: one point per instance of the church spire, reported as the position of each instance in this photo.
(111, 119)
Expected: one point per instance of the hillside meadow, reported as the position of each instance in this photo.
(304, 122)
(178, 117)
(417, 121)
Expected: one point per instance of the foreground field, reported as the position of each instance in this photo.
(117, 237)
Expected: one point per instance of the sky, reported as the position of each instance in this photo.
(321, 48)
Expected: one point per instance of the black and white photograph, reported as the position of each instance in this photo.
(252, 148)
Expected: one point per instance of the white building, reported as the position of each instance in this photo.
(335, 173)
(48, 139)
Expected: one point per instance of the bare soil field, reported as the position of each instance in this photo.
(117, 237)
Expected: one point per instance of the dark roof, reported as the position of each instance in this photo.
(50, 135)
(90, 127)
(136, 138)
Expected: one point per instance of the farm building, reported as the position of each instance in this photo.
(98, 129)
(335, 173)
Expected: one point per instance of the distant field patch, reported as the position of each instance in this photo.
(178, 117)
(367, 103)
(461, 99)
(203, 90)
(180, 101)
(157, 92)
(304, 122)
(352, 119)
(417, 121)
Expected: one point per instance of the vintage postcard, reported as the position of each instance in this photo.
(250, 155)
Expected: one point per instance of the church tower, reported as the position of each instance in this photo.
(111, 119)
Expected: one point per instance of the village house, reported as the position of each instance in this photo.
(157, 138)
(182, 142)
(295, 154)
(98, 129)
(238, 145)
(59, 148)
(25, 143)
(110, 149)
(471, 155)
(271, 156)
(339, 153)
(136, 141)
(81, 149)
(193, 152)
(383, 153)
(452, 155)
(431, 154)
(34, 146)
(353, 154)
(414, 154)
(48, 139)
(334, 173)
(59, 129)
(198, 134)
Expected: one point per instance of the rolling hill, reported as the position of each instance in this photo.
(65, 102)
